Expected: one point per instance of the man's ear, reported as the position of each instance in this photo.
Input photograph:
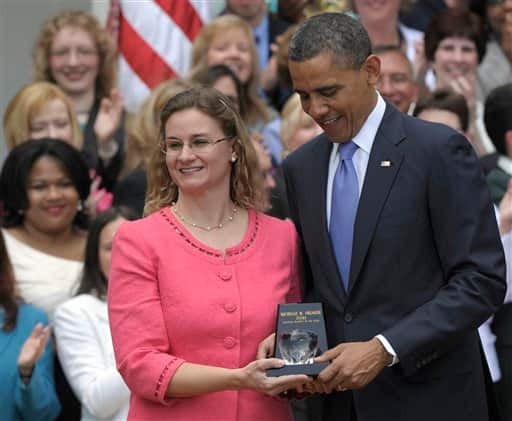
(372, 67)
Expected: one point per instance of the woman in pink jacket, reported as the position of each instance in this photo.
(194, 286)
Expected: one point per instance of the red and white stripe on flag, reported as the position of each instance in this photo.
(155, 42)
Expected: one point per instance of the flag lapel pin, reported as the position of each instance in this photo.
(386, 164)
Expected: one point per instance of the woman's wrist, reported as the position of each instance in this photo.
(238, 379)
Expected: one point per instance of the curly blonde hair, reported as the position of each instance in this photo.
(246, 182)
(255, 108)
(105, 45)
(29, 101)
(143, 128)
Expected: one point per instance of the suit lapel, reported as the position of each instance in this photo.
(383, 167)
(318, 191)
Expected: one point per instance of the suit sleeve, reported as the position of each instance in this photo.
(307, 277)
(97, 384)
(466, 236)
(139, 334)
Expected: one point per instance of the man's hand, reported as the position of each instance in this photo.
(353, 366)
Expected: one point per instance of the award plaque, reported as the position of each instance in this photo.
(300, 337)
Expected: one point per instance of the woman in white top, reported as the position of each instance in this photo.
(83, 334)
(42, 186)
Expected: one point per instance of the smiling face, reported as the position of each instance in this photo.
(338, 99)
(377, 10)
(52, 120)
(198, 172)
(74, 60)
(233, 49)
(455, 57)
(396, 82)
(52, 197)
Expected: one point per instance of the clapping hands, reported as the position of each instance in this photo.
(109, 116)
(33, 348)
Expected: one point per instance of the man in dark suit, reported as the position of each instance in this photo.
(400, 241)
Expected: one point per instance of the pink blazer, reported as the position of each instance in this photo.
(173, 299)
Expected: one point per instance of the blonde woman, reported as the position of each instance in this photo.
(204, 272)
(142, 138)
(228, 40)
(74, 51)
(297, 127)
(41, 109)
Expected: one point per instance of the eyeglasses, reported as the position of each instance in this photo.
(198, 146)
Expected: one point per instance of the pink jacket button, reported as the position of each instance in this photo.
(230, 307)
(229, 342)
(225, 275)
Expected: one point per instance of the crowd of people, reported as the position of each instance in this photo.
(356, 153)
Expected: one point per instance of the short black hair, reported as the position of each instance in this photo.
(93, 280)
(498, 116)
(445, 99)
(17, 166)
(335, 33)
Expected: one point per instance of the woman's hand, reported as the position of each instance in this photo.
(32, 349)
(109, 116)
(465, 85)
(99, 200)
(253, 376)
(266, 347)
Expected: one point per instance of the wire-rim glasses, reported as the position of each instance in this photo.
(199, 145)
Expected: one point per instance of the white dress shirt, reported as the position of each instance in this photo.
(364, 140)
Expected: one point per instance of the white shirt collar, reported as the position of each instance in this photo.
(366, 135)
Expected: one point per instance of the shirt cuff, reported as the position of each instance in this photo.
(387, 346)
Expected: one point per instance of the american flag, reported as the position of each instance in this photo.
(155, 42)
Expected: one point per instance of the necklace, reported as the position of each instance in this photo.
(207, 228)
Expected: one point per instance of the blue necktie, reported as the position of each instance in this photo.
(345, 197)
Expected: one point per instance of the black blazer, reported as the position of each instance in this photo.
(427, 269)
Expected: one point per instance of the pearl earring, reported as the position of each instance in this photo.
(233, 157)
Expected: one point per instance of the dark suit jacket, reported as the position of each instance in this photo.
(427, 269)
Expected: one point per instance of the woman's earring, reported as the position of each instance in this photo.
(233, 157)
(79, 206)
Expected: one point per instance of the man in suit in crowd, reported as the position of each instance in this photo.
(396, 81)
(498, 123)
(400, 241)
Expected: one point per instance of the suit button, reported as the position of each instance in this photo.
(230, 307)
(224, 275)
(348, 317)
(229, 342)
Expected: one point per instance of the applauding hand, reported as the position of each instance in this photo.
(32, 349)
